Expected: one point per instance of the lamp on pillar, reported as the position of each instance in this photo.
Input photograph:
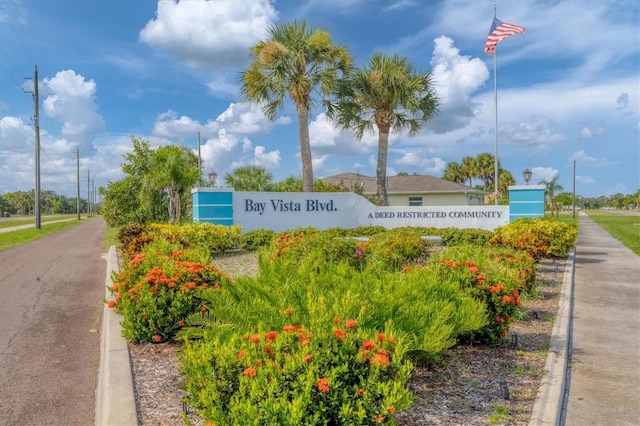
(526, 174)
(212, 178)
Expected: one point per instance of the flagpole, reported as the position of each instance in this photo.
(495, 101)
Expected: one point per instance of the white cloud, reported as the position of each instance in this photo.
(212, 34)
(244, 119)
(455, 78)
(538, 174)
(581, 157)
(71, 100)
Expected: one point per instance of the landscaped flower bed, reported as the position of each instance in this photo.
(455, 296)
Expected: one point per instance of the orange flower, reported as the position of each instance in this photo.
(337, 320)
(271, 335)
(474, 269)
(380, 359)
(339, 333)
(380, 337)
(111, 303)
(181, 323)
(241, 354)
(350, 323)
(249, 371)
(368, 345)
(507, 299)
(307, 358)
(157, 338)
(268, 349)
(203, 308)
(323, 385)
(289, 329)
(391, 409)
(287, 312)
(378, 418)
(255, 338)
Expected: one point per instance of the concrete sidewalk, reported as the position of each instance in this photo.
(603, 380)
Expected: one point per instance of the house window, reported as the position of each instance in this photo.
(415, 201)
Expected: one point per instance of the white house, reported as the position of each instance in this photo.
(414, 190)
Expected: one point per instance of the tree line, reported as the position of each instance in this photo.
(23, 203)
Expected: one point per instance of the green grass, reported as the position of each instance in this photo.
(111, 237)
(15, 238)
(28, 220)
(624, 228)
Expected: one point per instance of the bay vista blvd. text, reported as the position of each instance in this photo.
(282, 211)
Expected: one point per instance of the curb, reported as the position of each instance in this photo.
(115, 400)
(547, 409)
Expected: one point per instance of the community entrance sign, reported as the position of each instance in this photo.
(280, 211)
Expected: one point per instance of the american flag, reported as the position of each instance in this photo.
(499, 31)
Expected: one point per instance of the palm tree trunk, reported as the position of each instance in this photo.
(305, 148)
(381, 167)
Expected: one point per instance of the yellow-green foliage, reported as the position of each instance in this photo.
(216, 238)
(541, 237)
(395, 248)
(294, 376)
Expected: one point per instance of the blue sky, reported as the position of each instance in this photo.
(568, 89)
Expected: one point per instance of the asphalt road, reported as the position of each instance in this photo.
(51, 304)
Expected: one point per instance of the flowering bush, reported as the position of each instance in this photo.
(154, 292)
(539, 237)
(293, 376)
(495, 276)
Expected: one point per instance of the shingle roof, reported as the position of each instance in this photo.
(401, 184)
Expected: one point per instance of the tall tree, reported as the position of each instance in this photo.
(294, 61)
(249, 178)
(468, 167)
(175, 170)
(551, 188)
(386, 94)
(453, 173)
(485, 169)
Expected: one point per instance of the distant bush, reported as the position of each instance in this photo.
(541, 237)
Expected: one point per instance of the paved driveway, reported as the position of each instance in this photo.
(51, 293)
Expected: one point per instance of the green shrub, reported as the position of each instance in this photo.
(541, 237)
(396, 248)
(256, 239)
(216, 239)
(296, 376)
(494, 276)
(129, 232)
(155, 291)
(431, 311)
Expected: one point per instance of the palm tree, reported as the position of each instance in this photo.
(386, 94)
(505, 180)
(485, 169)
(453, 173)
(293, 62)
(468, 167)
(552, 187)
(175, 170)
(249, 178)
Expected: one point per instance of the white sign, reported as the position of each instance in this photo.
(280, 211)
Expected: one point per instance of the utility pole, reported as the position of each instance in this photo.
(37, 157)
(199, 163)
(93, 195)
(574, 189)
(89, 193)
(78, 181)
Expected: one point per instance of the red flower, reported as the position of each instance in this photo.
(307, 358)
(323, 385)
(337, 320)
(111, 303)
(339, 333)
(507, 299)
(368, 345)
(289, 329)
(241, 354)
(268, 349)
(255, 338)
(181, 323)
(271, 335)
(157, 338)
(350, 323)
(249, 371)
(380, 337)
